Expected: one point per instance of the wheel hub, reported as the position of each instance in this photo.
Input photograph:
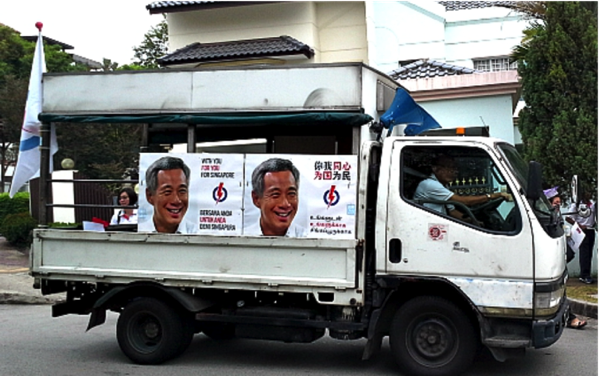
(151, 330)
(433, 339)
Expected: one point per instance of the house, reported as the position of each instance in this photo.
(472, 38)
(335, 31)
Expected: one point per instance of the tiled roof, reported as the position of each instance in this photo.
(241, 49)
(462, 5)
(427, 69)
(189, 5)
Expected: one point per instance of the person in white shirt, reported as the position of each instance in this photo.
(125, 216)
(585, 250)
(275, 191)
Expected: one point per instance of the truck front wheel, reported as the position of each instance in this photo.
(430, 336)
(151, 332)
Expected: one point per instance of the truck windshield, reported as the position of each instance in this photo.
(548, 216)
(517, 164)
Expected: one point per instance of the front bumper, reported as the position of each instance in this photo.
(547, 332)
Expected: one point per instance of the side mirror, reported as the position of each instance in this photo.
(575, 190)
(534, 190)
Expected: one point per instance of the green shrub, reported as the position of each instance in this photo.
(16, 228)
(18, 204)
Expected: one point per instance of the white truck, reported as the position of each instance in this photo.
(439, 287)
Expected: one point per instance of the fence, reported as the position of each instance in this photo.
(80, 194)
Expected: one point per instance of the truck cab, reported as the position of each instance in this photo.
(502, 264)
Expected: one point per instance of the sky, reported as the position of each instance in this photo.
(96, 29)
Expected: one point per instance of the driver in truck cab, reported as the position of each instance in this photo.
(434, 187)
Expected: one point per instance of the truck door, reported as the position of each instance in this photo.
(491, 245)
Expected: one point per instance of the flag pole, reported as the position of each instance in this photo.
(45, 131)
(44, 159)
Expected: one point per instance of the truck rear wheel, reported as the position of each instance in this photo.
(430, 336)
(151, 332)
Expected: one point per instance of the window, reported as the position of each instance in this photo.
(494, 64)
(463, 171)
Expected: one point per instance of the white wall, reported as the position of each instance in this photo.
(423, 29)
(407, 30)
(465, 112)
(480, 33)
(341, 28)
(63, 193)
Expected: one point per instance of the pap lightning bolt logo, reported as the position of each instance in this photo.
(220, 193)
(331, 197)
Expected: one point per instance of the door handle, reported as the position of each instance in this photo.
(395, 251)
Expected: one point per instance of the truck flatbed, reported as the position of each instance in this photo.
(263, 263)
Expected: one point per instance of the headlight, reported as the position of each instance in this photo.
(548, 297)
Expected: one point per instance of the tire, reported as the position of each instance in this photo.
(189, 330)
(151, 332)
(430, 336)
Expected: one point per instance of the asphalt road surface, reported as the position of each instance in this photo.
(34, 343)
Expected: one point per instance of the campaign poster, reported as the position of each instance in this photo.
(331, 192)
(170, 204)
(220, 196)
(277, 208)
(321, 205)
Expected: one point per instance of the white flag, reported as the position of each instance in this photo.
(28, 163)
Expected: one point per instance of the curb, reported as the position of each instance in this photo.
(9, 297)
(14, 270)
(583, 308)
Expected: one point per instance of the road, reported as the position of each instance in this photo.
(33, 343)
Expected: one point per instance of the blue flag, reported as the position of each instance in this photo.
(404, 110)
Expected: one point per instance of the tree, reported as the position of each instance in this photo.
(535, 11)
(109, 65)
(13, 93)
(558, 70)
(153, 47)
(111, 150)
